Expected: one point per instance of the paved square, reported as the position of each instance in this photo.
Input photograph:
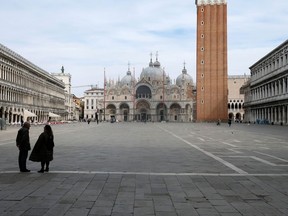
(150, 169)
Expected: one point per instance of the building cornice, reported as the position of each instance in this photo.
(5, 51)
(210, 2)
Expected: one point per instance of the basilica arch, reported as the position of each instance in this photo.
(161, 112)
(143, 111)
(124, 112)
(174, 113)
(143, 91)
(111, 111)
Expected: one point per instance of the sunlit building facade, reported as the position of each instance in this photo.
(93, 103)
(27, 92)
(266, 94)
(236, 97)
(69, 103)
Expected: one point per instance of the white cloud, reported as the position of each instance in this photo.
(86, 36)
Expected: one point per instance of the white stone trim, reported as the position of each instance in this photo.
(210, 2)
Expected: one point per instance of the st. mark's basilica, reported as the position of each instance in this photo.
(153, 97)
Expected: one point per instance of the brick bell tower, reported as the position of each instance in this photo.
(211, 66)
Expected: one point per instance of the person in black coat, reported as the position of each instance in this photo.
(43, 149)
(23, 144)
(229, 122)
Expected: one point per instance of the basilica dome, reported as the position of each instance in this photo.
(153, 73)
(128, 79)
(184, 78)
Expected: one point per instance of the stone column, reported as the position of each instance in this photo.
(252, 116)
(283, 86)
(281, 114)
(269, 114)
(278, 114)
(272, 114)
(284, 115)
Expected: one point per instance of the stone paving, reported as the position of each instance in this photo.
(162, 169)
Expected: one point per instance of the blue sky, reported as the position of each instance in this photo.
(90, 35)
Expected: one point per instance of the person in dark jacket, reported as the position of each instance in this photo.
(43, 149)
(229, 122)
(23, 144)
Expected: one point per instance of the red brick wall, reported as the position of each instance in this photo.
(212, 88)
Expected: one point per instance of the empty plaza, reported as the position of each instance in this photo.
(150, 169)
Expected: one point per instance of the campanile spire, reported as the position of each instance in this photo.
(211, 66)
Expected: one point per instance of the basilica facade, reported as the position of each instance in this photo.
(153, 97)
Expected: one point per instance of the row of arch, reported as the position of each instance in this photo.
(271, 89)
(144, 111)
(235, 106)
(238, 117)
(13, 115)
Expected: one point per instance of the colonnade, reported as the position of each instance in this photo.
(174, 113)
(271, 89)
(27, 90)
(266, 96)
(272, 114)
(13, 115)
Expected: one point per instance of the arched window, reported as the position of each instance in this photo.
(143, 92)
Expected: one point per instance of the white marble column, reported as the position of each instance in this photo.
(279, 114)
(272, 114)
(269, 114)
(284, 118)
(286, 114)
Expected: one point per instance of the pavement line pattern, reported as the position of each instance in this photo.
(212, 139)
(280, 159)
(235, 151)
(263, 161)
(220, 160)
(237, 141)
(225, 143)
(201, 139)
(260, 160)
(153, 174)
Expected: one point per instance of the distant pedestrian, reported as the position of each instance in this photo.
(23, 144)
(43, 149)
(218, 122)
(89, 120)
(229, 122)
(97, 119)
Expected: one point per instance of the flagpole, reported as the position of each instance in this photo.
(134, 93)
(163, 94)
(104, 94)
